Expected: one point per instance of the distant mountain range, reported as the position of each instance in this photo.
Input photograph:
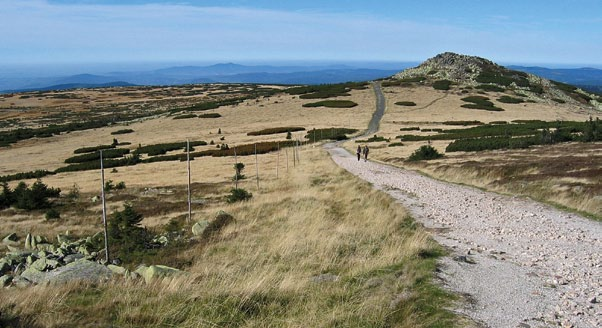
(219, 73)
(587, 78)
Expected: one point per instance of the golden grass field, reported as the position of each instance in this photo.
(310, 221)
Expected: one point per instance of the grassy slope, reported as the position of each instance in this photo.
(258, 272)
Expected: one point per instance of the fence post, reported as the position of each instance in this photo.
(104, 208)
(189, 193)
(278, 160)
(286, 152)
(256, 167)
(235, 170)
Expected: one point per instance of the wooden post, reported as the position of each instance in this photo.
(278, 160)
(294, 154)
(189, 194)
(235, 170)
(104, 208)
(299, 151)
(256, 167)
(286, 152)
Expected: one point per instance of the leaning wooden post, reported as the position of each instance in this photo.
(299, 151)
(294, 154)
(235, 169)
(104, 208)
(278, 160)
(256, 167)
(188, 165)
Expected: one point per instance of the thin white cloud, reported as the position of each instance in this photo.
(85, 32)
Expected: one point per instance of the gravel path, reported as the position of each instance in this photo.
(519, 263)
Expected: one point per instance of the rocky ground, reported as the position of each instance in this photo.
(517, 263)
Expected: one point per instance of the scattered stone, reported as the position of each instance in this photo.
(73, 257)
(82, 270)
(10, 239)
(400, 298)
(593, 300)
(157, 271)
(465, 259)
(117, 269)
(325, 277)
(4, 267)
(199, 227)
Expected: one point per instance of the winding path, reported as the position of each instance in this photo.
(517, 263)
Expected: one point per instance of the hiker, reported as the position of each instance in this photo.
(366, 151)
(359, 152)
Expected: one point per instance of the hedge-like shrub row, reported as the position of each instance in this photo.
(276, 130)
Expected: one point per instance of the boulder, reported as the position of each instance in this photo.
(21, 282)
(82, 270)
(118, 269)
(28, 242)
(157, 271)
(69, 258)
(199, 227)
(43, 264)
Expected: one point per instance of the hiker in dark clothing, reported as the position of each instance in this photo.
(366, 151)
(359, 152)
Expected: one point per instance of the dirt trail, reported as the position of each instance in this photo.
(517, 262)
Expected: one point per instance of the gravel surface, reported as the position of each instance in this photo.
(517, 263)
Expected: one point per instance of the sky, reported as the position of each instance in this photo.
(555, 32)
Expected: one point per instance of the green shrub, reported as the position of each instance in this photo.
(592, 130)
(404, 81)
(34, 197)
(276, 130)
(123, 131)
(238, 168)
(374, 138)
(161, 149)
(510, 100)
(462, 123)
(442, 84)
(126, 237)
(332, 104)
(325, 90)
(405, 103)
(93, 149)
(395, 144)
(210, 115)
(329, 134)
(426, 152)
(480, 102)
(221, 220)
(238, 195)
(52, 214)
(25, 175)
(490, 87)
(412, 128)
(558, 100)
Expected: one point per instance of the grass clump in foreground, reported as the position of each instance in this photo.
(303, 252)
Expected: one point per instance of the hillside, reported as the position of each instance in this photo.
(479, 73)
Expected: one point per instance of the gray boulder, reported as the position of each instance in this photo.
(82, 270)
(4, 267)
(117, 269)
(157, 271)
(11, 239)
(199, 227)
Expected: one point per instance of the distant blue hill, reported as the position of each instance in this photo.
(68, 86)
(587, 78)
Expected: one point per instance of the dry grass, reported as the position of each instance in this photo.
(260, 271)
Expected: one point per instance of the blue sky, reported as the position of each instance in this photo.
(566, 32)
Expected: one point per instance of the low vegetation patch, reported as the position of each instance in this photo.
(28, 198)
(374, 138)
(490, 87)
(210, 115)
(442, 84)
(332, 104)
(404, 81)
(405, 103)
(184, 116)
(326, 90)
(25, 175)
(462, 123)
(93, 149)
(122, 131)
(269, 131)
(95, 156)
(316, 135)
(411, 128)
(510, 100)
(480, 102)
(163, 148)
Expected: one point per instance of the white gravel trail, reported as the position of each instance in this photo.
(519, 263)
